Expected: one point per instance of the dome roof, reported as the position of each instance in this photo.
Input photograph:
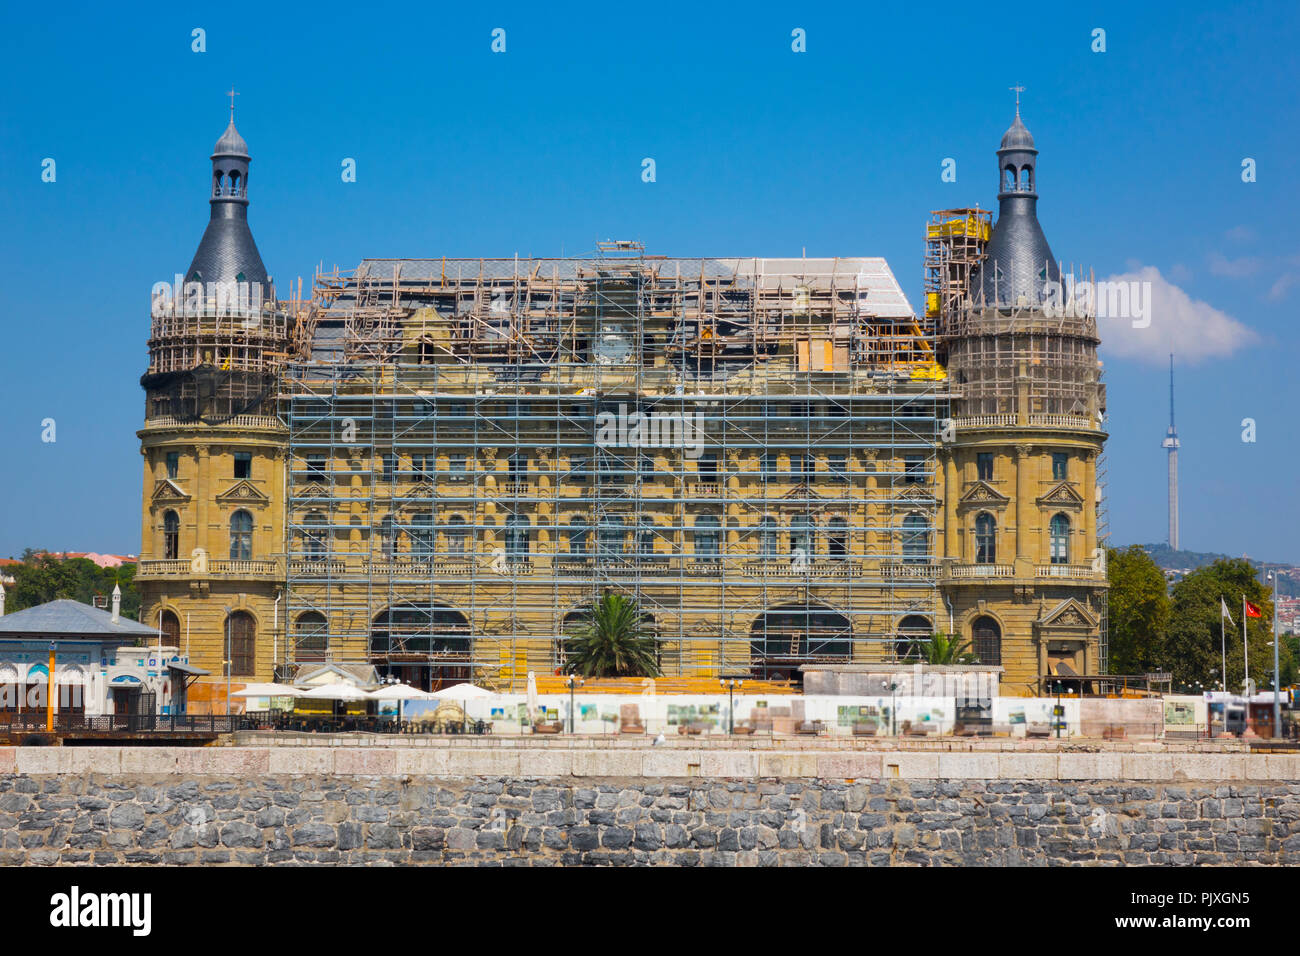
(1016, 136)
(231, 143)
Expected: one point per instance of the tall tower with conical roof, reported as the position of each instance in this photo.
(211, 555)
(1024, 570)
(1171, 444)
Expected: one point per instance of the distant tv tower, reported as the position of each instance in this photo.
(1171, 442)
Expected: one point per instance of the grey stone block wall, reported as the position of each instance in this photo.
(143, 819)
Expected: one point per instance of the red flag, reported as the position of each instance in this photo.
(1251, 610)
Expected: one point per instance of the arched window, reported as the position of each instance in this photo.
(171, 535)
(916, 539)
(1026, 179)
(1011, 178)
(242, 634)
(913, 631)
(422, 535)
(387, 537)
(986, 637)
(234, 182)
(767, 546)
(170, 625)
(707, 538)
(517, 537)
(612, 538)
(578, 536)
(802, 530)
(1060, 539)
(241, 536)
(314, 535)
(645, 540)
(216, 182)
(457, 534)
(986, 533)
(837, 539)
(311, 637)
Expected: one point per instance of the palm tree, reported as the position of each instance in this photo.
(943, 650)
(612, 641)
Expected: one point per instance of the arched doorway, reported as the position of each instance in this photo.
(311, 637)
(784, 638)
(170, 625)
(426, 646)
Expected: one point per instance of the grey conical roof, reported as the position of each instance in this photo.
(71, 619)
(1016, 136)
(1018, 261)
(231, 143)
(227, 252)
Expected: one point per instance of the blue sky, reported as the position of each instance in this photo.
(759, 151)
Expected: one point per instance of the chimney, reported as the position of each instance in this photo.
(117, 602)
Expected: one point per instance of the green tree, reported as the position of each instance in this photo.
(943, 650)
(612, 641)
(1138, 610)
(1194, 649)
(43, 577)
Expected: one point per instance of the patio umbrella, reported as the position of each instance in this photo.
(532, 698)
(335, 691)
(463, 692)
(399, 692)
(268, 690)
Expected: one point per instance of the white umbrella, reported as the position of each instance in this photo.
(532, 698)
(335, 691)
(268, 690)
(399, 692)
(463, 692)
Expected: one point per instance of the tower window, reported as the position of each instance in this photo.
(171, 535)
(984, 465)
(1060, 539)
(173, 464)
(1059, 464)
(243, 464)
(913, 470)
(241, 536)
(986, 533)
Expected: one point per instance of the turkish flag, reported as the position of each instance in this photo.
(1251, 610)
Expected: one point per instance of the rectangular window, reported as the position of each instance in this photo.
(984, 465)
(456, 463)
(315, 466)
(913, 469)
(1059, 465)
(243, 464)
(173, 464)
(838, 467)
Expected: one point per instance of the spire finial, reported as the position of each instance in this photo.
(1017, 89)
(232, 94)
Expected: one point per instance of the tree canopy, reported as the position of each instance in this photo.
(1138, 612)
(45, 577)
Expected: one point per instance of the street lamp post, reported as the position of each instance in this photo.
(893, 709)
(731, 683)
(1277, 676)
(1060, 711)
(227, 661)
(573, 681)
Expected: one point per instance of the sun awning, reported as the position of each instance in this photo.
(188, 669)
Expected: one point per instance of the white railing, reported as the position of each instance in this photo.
(923, 570)
(1066, 571)
(165, 567)
(984, 421)
(257, 568)
(982, 571)
(1064, 421)
(237, 421)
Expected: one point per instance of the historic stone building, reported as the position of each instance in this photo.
(435, 464)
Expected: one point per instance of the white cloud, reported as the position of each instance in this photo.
(1193, 330)
(1240, 234)
(1233, 268)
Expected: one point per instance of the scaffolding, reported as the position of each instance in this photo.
(478, 448)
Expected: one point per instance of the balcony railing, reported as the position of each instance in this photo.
(1074, 571)
(902, 569)
(221, 568)
(238, 421)
(975, 571)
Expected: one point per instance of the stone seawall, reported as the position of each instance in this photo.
(207, 806)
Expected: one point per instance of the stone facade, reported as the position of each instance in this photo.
(995, 810)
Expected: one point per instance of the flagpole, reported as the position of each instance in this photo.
(1223, 642)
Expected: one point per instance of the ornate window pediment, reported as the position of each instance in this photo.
(244, 493)
(1069, 614)
(982, 495)
(1062, 495)
(312, 490)
(166, 491)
